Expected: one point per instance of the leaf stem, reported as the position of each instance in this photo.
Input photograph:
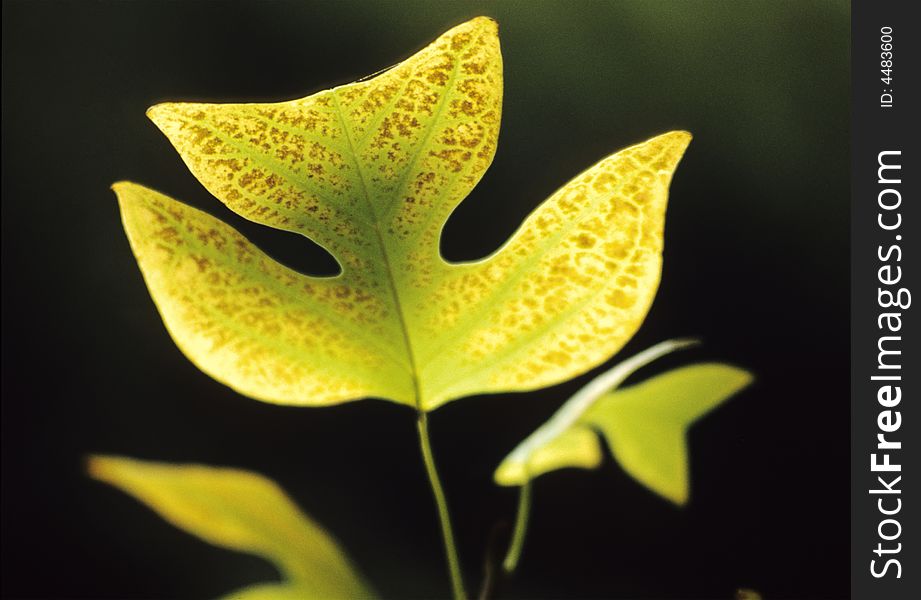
(457, 580)
(521, 529)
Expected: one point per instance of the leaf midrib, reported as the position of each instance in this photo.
(385, 254)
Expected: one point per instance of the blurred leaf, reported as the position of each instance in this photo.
(371, 171)
(561, 442)
(243, 511)
(273, 591)
(645, 427)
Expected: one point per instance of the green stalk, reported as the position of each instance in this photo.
(521, 529)
(457, 580)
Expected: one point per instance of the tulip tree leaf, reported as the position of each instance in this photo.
(371, 171)
(575, 447)
(561, 442)
(242, 511)
(273, 591)
(645, 426)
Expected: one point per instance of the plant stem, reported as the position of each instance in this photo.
(521, 528)
(457, 580)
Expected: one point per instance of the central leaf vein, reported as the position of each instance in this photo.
(385, 255)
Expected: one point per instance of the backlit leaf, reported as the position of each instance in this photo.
(371, 171)
(561, 441)
(241, 511)
(576, 447)
(272, 591)
(645, 426)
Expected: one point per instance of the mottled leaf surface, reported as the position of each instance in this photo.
(371, 171)
(645, 426)
(241, 511)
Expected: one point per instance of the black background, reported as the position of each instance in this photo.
(756, 263)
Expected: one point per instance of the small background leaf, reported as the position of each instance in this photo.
(645, 426)
(242, 511)
(576, 447)
(270, 591)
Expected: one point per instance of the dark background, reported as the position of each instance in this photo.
(756, 262)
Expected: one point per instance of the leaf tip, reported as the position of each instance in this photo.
(91, 465)
(668, 148)
(128, 194)
(682, 343)
(156, 112)
(678, 138)
(676, 490)
(485, 22)
(100, 467)
(120, 186)
(679, 496)
(125, 189)
(486, 29)
(509, 474)
(162, 115)
(744, 378)
(736, 378)
(674, 144)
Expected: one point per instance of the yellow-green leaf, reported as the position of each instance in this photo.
(371, 171)
(575, 447)
(561, 441)
(243, 511)
(645, 426)
(273, 591)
